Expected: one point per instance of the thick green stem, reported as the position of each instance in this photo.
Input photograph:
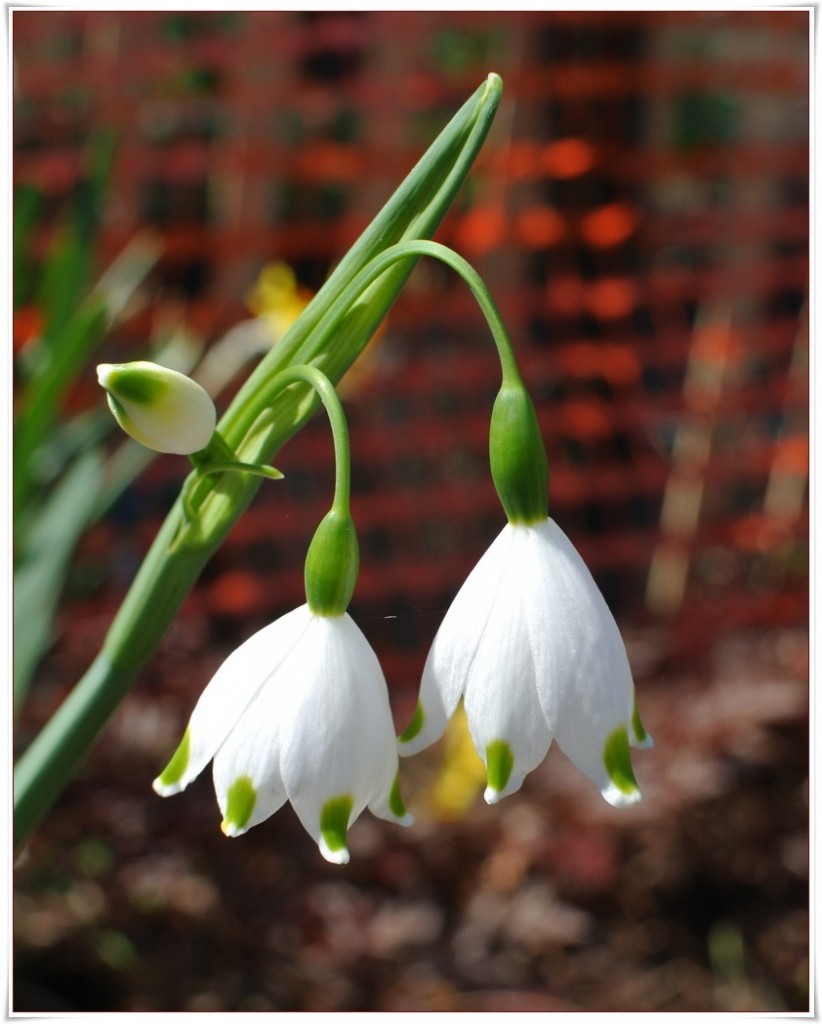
(64, 741)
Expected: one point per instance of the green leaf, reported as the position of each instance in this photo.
(38, 580)
(40, 403)
(68, 267)
(27, 204)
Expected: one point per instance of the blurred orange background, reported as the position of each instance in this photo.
(640, 215)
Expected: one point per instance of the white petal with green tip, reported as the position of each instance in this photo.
(233, 687)
(502, 665)
(338, 710)
(454, 649)
(532, 647)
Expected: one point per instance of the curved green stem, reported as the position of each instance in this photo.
(357, 292)
(336, 417)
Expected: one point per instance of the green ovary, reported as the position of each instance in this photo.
(334, 822)
(499, 762)
(617, 758)
(175, 769)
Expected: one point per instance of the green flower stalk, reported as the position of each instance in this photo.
(329, 334)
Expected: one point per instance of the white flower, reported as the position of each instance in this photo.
(161, 408)
(299, 712)
(531, 646)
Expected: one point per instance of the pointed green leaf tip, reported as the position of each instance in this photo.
(414, 726)
(499, 762)
(239, 807)
(175, 769)
(617, 758)
(334, 823)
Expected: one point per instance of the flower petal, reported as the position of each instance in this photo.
(231, 690)
(250, 756)
(455, 646)
(506, 722)
(336, 729)
(583, 676)
(391, 807)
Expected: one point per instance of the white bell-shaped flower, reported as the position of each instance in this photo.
(299, 712)
(161, 408)
(531, 647)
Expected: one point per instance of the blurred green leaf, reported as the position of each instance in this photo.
(42, 399)
(62, 363)
(68, 268)
(27, 204)
(38, 580)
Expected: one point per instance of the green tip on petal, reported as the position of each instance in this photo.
(396, 805)
(499, 762)
(239, 807)
(334, 827)
(617, 758)
(168, 781)
(640, 735)
(140, 383)
(414, 726)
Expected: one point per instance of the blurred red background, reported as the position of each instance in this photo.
(640, 214)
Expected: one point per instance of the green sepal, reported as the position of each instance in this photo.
(519, 465)
(332, 565)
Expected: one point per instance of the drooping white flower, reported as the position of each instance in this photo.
(161, 408)
(531, 647)
(298, 712)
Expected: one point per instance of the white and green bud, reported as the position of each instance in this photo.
(161, 408)
(519, 465)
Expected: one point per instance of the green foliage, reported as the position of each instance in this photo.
(59, 473)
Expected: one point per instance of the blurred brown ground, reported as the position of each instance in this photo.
(640, 213)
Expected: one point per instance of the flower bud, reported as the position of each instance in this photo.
(161, 408)
(332, 565)
(519, 464)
